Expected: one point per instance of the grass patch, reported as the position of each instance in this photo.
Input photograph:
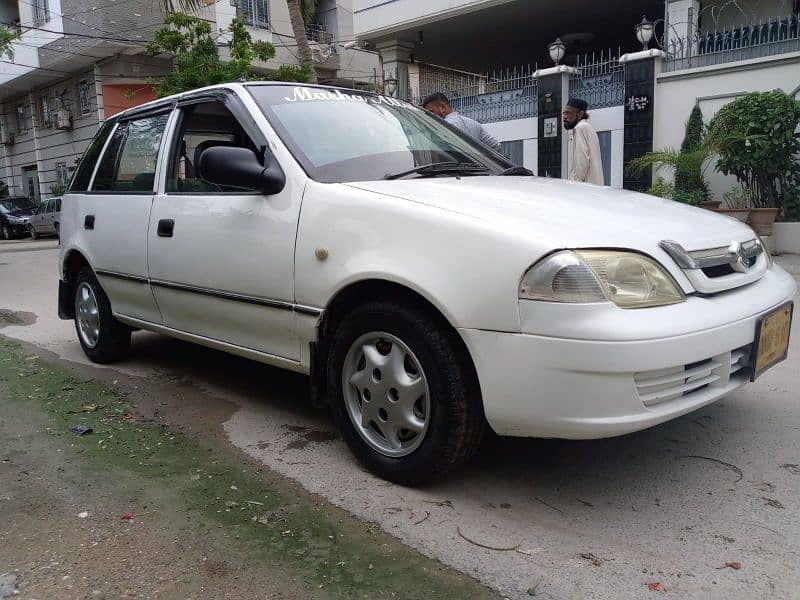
(341, 557)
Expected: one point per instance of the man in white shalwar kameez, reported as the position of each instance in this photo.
(585, 163)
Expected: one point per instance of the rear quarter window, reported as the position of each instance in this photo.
(83, 174)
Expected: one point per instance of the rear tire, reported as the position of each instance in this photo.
(5, 232)
(404, 393)
(103, 338)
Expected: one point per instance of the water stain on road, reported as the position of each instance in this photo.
(306, 436)
(16, 317)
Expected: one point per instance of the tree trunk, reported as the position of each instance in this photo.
(300, 37)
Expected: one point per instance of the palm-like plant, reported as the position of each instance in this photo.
(693, 164)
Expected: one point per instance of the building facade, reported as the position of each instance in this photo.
(75, 65)
(495, 59)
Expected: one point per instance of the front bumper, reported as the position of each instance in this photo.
(565, 387)
(18, 229)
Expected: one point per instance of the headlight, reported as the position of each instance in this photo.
(770, 262)
(17, 220)
(627, 279)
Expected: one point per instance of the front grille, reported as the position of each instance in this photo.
(720, 269)
(662, 385)
(725, 269)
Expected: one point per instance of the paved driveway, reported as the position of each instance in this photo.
(598, 519)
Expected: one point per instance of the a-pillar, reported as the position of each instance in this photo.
(553, 92)
(641, 70)
(395, 56)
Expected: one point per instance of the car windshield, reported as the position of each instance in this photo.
(16, 205)
(347, 135)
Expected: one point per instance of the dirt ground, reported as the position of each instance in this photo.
(65, 499)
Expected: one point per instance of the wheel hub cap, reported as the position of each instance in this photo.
(386, 394)
(87, 313)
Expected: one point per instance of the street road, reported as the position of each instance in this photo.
(598, 519)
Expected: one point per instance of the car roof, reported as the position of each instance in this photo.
(238, 86)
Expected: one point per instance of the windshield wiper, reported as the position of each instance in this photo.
(515, 170)
(440, 167)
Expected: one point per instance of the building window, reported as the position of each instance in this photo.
(47, 116)
(255, 13)
(22, 118)
(41, 12)
(62, 175)
(84, 97)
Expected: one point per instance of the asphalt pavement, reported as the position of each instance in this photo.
(559, 519)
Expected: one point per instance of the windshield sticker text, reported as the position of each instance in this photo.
(303, 94)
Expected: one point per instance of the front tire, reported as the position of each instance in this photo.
(32, 231)
(404, 393)
(5, 232)
(102, 337)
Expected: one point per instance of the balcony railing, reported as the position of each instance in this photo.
(600, 81)
(778, 35)
(319, 34)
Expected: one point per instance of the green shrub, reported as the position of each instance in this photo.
(754, 136)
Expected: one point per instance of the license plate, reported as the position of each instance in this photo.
(772, 338)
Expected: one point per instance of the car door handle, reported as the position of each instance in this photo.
(88, 222)
(165, 227)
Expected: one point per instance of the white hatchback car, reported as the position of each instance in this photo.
(427, 286)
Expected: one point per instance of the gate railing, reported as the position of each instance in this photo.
(502, 95)
(776, 35)
(600, 81)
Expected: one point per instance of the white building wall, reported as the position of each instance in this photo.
(712, 88)
(26, 50)
(525, 130)
(380, 15)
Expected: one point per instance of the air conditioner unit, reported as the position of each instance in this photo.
(62, 119)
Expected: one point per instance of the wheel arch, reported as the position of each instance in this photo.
(360, 292)
(71, 265)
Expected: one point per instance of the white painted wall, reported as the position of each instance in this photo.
(370, 16)
(26, 57)
(713, 87)
(519, 129)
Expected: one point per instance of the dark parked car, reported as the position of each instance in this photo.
(15, 213)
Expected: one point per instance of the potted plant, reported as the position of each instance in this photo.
(737, 203)
(754, 136)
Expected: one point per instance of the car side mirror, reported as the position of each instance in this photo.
(240, 167)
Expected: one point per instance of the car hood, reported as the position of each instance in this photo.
(568, 214)
(20, 213)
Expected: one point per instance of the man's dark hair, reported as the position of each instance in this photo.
(435, 97)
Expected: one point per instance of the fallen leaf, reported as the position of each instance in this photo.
(733, 564)
(772, 502)
(89, 407)
(591, 558)
(655, 586)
